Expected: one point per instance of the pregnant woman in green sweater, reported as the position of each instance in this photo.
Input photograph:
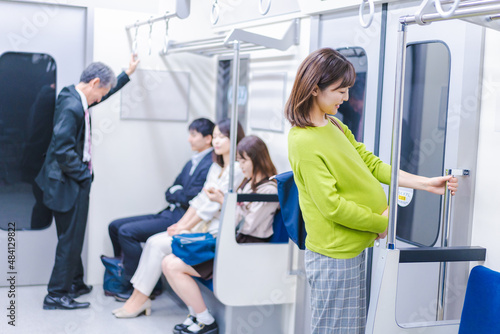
(342, 201)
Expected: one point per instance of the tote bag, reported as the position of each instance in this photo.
(194, 248)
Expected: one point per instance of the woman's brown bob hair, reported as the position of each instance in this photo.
(225, 128)
(257, 151)
(320, 69)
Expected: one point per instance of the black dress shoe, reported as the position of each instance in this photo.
(180, 327)
(204, 329)
(62, 303)
(77, 290)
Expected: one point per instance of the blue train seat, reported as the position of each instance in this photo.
(280, 235)
(481, 311)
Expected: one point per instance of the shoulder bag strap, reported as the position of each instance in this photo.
(335, 122)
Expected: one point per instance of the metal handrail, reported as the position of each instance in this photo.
(229, 51)
(152, 20)
(445, 242)
(396, 136)
(445, 235)
(234, 113)
(480, 9)
(182, 11)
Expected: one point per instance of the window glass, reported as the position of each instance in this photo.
(27, 103)
(423, 138)
(351, 112)
(225, 91)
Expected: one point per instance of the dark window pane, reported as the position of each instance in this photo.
(423, 137)
(225, 91)
(351, 112)
(27, 102)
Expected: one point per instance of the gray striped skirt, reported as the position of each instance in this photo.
(338, 293)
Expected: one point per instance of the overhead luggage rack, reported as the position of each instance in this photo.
(248, 41)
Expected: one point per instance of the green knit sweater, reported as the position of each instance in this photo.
(340, 194)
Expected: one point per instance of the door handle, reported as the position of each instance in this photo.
(446, 222)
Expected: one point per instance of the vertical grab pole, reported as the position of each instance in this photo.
(234, 113)
(445, 242)
(445, 228)
(396, 135)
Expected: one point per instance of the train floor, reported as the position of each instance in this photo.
(30, 318)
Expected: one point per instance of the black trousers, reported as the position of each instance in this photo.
(70, 226)
(127, 234)
(41, 216)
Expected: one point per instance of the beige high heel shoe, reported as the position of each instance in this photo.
(145, 308)
(117, 310)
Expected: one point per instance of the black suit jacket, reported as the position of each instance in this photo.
(191, 184)
(63, 170)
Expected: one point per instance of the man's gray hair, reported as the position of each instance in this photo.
(101, 71)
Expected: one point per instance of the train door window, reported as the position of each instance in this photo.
(423, 138)
(225, 90)
(27, 95)
(351, 112)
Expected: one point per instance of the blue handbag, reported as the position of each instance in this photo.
(194, 248)
(112, 283)
(288, 195)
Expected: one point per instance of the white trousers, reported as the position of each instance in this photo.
(149, 270)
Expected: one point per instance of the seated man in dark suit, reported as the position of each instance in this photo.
(127, 233)
(66, 177)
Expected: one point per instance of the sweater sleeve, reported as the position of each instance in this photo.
(321, 187)
(379, 169)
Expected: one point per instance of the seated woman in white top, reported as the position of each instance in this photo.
(202, 216)
(256, 226)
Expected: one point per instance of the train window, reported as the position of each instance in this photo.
(224, 97)
(27, 95)
(423, 138)
(351, 112)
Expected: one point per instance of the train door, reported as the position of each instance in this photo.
(440, 126)
(42, 49)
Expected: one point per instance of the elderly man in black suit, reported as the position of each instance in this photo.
(66, 176)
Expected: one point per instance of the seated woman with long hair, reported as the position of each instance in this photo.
(255, 224)
(202, 216)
